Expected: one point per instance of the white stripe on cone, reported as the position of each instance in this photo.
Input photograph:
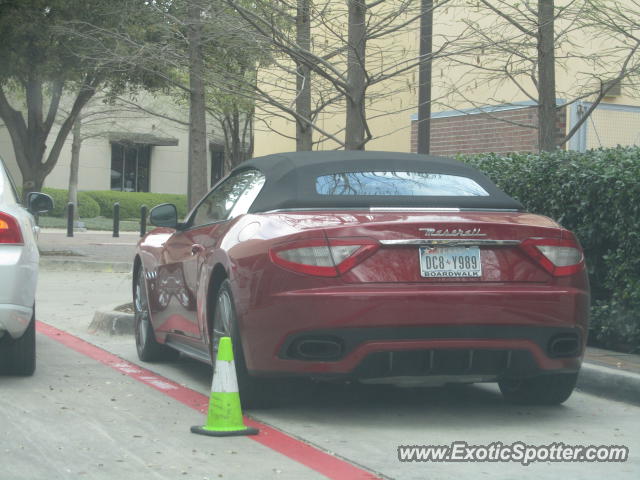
(224, 378)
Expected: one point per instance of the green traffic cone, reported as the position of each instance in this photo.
(224, 418)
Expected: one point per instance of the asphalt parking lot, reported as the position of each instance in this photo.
(79, 417)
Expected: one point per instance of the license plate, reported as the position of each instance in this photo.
(450, 262)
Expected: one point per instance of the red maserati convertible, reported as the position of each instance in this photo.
(377, 267)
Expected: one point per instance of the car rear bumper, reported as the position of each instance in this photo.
(14, 319)
(18, 278)
(387, 331)
(18, 274)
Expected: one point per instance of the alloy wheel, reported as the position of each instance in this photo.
(141, 310)
(222, 318)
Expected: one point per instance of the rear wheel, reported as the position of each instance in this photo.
(149, 350)
(20, 353)
(543, 390)
(254, 392)
(223, 316)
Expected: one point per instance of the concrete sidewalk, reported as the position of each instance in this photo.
(611, 374)
(605, 373)
(91, 250)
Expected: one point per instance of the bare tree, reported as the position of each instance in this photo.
(616, 25)
(331, 67)
(519, 46)
(304, 133)
(234, 116)
(424, 76)
(211, 63)
(547, 76)
(345, 63)
(74, 167)
(197, 162)
(356, 86)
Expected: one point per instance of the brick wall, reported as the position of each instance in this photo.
(483, 132)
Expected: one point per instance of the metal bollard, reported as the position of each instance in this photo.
(116, 219)
(70, 215)
(143, 220)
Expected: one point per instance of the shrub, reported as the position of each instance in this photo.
(88, 208)
(596, 195)
(100, 203)
(130, 202)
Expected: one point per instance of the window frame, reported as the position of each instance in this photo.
(189, 224)
(140, 148)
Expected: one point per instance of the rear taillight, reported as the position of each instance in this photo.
(320, 257)
(9, 230)
(559, 257)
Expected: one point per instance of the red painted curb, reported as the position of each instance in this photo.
(328, 465)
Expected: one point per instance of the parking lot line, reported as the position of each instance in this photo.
(322, 462)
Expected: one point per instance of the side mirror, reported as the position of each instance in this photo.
(164, 215)
(39, 203)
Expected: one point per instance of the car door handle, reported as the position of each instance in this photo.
(196, 249)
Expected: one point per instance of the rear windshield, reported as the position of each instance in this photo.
(398, 184)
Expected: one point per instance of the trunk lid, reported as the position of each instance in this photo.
(451, 247)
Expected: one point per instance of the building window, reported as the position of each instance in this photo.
(217, 162)
(130, 167)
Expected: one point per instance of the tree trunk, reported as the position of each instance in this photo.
(236, 148)
(247, 134)
(197, 158)
(226, 128)
(355, 127)
(76, 144)
(547, 140)
(424, 87)
(31, 183)
(27, 137)
(304, 131)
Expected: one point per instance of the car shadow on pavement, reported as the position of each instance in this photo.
(438, 404)
(458, 407)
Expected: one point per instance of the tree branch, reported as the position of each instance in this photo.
(54, 103)
(508, 18)
(87, 90)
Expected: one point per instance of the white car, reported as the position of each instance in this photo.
(18, 277)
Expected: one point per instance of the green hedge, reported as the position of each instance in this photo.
(100, 203)
(130, 202)
(88, 207)
(596, 195)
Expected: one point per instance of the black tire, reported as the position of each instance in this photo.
(148, 348)
(20, 353)
(254, 392)
(550, 389)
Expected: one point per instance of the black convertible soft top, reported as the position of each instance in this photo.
(291, 181)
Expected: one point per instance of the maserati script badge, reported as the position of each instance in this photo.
(454, 232)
